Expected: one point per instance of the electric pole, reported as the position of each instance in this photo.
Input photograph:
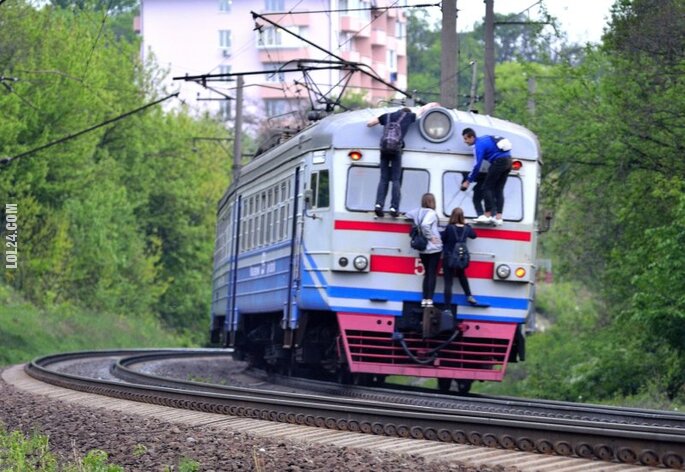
(489, 65)
(238, 130)
(474, 78)
(449, 54)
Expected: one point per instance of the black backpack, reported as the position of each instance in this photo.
(392, 141)
(418, 240)
(459, 257)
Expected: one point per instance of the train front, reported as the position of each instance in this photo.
(361, 268)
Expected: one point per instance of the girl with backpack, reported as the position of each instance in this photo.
(426, 218)
(457, 231)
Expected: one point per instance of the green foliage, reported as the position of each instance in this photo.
(27, 331)
(354, 100)
(31, 453)
(121, 219)
(582, 357)
(24, 454)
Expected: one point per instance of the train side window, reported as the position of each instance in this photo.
(453, 197)
(320, 189)
(362, 183)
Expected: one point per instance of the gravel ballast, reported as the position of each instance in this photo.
(143, 444)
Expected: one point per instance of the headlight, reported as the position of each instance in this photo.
(360, 263)
(503, 271)
(343, 262)
(436, 125)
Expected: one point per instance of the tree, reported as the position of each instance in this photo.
(120, 219)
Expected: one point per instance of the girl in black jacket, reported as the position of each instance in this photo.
(455, 232)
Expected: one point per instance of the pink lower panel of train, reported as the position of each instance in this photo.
(479, 352)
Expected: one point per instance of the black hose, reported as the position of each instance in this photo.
(433, 353)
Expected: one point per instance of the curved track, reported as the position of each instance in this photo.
(609, 434)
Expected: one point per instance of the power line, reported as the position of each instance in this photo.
(304, 12)
(97, 38)
(6, 160)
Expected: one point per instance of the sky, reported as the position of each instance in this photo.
(582, 20)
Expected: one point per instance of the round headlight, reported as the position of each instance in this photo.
(436, 125)
(342, 262)
(503, 271)
(360, 263)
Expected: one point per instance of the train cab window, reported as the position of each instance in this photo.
(362, 183)
(453, 197)
(320, 189)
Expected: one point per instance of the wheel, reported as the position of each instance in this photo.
(444, 385)
(344, 376)
(463, 386)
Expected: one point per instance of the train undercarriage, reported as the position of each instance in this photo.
(365, 349)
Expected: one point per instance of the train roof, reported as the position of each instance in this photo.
(349, 129)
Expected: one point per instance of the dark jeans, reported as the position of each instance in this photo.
(493, 187)
(449, 274)
(478, 193)
(430, 273)
(391, 170)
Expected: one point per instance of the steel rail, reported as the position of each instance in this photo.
(628, 443)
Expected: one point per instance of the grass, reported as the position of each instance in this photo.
(31, 453)
(27, 332)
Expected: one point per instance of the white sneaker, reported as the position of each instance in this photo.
(423, 303)
(498, 222)
(483, 219)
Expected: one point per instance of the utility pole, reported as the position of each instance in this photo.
(474, 77)
(238, 129)
(449, 54)
(489, 65)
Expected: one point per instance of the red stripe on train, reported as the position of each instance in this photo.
(351, 225)
(411, 265)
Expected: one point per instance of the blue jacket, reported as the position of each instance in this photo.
(485, 148)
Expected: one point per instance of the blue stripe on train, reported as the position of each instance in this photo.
(476, 317)
(398, 296)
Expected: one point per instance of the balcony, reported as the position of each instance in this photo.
(355, 25)
(352, 56)
(378, 37)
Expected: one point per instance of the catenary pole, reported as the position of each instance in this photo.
(489, 64)
(449, 54)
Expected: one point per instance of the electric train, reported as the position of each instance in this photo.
(307, 277)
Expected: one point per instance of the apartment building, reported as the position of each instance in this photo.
(196, 37)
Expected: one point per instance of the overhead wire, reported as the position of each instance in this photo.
(6, 160)
(97, 38)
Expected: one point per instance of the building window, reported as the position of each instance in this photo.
(225, 39)
(225, 5)
(277, 107)
(274, 75)
(400, 29)
(270, 37)
(225, 69)
(392, 60)
(274, 5)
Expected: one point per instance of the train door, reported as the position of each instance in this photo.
(291, 311)
(231, 324)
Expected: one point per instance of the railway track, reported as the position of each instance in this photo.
(603, 434)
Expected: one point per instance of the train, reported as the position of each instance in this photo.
(307, 278)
